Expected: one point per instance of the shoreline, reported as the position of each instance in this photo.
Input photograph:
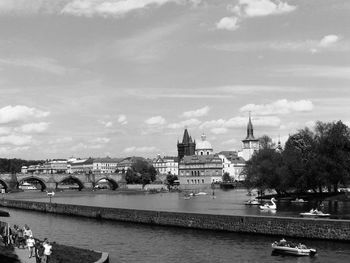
(327, 229)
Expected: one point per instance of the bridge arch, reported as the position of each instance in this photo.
(72, 179)
(114, 185)
(33, 179)
(4, 185)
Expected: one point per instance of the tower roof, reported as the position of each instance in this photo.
(186, 138)
(250, 130)
(204, 144)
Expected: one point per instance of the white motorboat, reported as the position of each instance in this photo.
(201, 193)
(299, 201)
(313, 213)
(268, 206)
(286, 248)
(253, 202)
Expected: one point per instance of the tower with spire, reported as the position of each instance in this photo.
(187, 147)
(250, 144)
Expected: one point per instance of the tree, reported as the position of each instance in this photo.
(226, 178)
(263, 171)
(170, 179)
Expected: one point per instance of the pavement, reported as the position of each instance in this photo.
(23, 255)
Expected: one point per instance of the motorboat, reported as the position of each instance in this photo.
(201, 193)
(299, 201)
(268, 206)
(313, 213)
(4, 213)
(288, 248)
(253, 202)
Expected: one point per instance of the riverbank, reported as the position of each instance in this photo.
(283, 226)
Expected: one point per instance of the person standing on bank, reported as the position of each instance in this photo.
(47, 251)
(30, 244)
(27, 232)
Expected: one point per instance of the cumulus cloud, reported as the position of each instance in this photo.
(5, 130)
(33, 127)
(329, 40)
(229, 142)
(100, 140)
(122, 119)
(219, 130)
(17, 140)
(62, 140)
(144, 149)
(10, 151)
(228, 23)
(156, 120)
(255, 8)
(185, 123)
(196, 113)
(279, 107)
(20, 112)
(114, 8)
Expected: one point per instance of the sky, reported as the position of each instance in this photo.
(125, 77)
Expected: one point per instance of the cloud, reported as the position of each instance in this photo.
(317, 71)
(107, 124)
(219, 130)
(156, 120)
(122, 119)
(229, 142)
(329, 40)
(102, 140)
(196, 113)
(185, 123)
(228, 23)
(33, 127)
(256, 8)
(279, 107)
(41, 64)
(10, 151)
(145, 149)
(62, 140)
(107, 8)
(253, 8)
(17, 140)
(5, 130)
(20, 112)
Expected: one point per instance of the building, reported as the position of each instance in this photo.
(54, 166)
(166, 165)
(187, 147)
(250, 144)
(232, 164)
(203, 147)
(81, 166)
(200, 171)
(105, 165)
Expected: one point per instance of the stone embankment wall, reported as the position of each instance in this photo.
(281, 226)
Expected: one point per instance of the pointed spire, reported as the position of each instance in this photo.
(250, 130)
(186, 138)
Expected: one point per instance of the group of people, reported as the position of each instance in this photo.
(23, 238)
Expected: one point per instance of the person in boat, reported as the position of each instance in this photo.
(282, 242)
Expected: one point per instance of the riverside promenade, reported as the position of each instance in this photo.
(23, 256)
(327, 229)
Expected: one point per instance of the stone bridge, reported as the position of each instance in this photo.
(51, 181)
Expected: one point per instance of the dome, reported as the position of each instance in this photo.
(203, 144)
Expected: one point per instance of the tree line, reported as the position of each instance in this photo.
(315, 160)
(15, 165)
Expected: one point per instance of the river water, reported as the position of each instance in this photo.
(128, 242)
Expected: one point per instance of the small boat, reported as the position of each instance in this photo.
(287, 248)
(314, 213)
(253, 202)
(201, 193)
(268, 206)
(4, 213)
(298, 201)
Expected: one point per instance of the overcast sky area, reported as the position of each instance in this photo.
(124, 77)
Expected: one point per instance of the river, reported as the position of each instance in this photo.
(128, 242)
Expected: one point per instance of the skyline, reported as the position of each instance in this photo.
(120, 78)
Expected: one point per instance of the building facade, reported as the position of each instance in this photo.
(233, 165)
(166, 165)
(105, 165)
(200, 171)
(203, 147)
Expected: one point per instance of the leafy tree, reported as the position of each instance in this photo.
(170, 179)
(226, 178)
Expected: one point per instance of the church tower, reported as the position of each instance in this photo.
(250, 144)
(187, 147)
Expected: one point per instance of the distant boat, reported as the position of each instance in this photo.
(314, 214)
(27, 186)
(287, 248)
(253, 202)
(297, 200)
